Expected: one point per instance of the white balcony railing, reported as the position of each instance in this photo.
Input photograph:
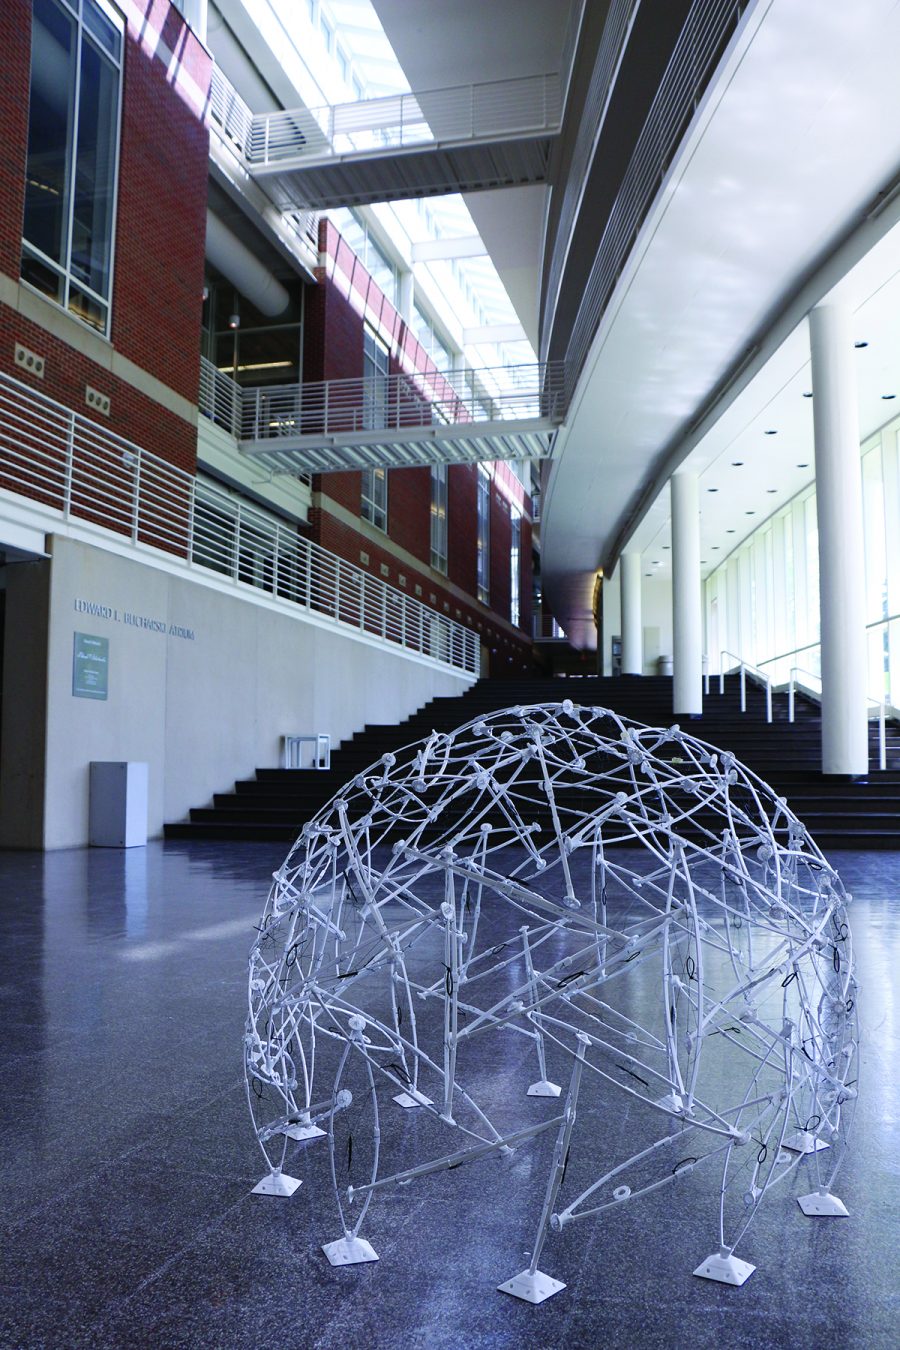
(73, 469)
(405, 402)
(496, 109)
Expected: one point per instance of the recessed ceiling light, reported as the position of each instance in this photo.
(858, 345)
(667, 545)
(729, 531)
(656, 562)
(803, 466)
(716, 547)
(808, 394)
(771, 489)
(712, 489)
(737, 463)
(702, 562)
(887, 396)
(770, 432)
(749, 513)
(648, 574)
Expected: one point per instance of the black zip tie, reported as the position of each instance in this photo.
(762, 1154)
(448, 981)
(353, 896)
(690, 968)
(257, 1088)
(787, 979)
(836, 959)
(849, 1005)
(346, 974)
(809, 1126)
(290, 956)
(565, 1165)
(804, 1049)
(672, 1013)
(399, 1072)
(683, 1163)
(842, 931)
(399, 1014)
(633, 1075)
(567, 979)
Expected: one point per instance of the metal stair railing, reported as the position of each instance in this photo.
(795, 683)
(746, 668)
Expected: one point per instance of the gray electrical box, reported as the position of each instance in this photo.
(118, 810)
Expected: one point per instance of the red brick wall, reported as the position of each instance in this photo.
(160, 235)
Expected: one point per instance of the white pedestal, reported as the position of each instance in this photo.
(349, 1251)
(532, 1288)
(118, 808)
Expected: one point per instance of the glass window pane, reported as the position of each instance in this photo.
(99, 25)
(52, 92)
(95, 171)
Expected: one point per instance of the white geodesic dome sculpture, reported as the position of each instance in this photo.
(627, 902)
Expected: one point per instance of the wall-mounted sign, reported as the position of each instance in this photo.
(90, 666)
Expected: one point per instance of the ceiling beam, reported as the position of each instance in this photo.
(462, 246)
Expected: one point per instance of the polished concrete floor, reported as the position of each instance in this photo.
(127, 1159)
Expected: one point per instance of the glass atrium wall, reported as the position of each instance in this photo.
(762, 603)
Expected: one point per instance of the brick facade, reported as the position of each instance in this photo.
(337, 311)
(159, 239)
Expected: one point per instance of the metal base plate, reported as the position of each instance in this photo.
(276, 1183)
(532, 1288)
(543, 1089)
(303, 1132)
(828, 1204)
(804, 1142)
(725, 1269)
(413, 1098)
(349, 1251)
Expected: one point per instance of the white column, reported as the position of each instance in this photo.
(842, 589)
(197, 12)
(687, 609)
(632, 622)
(406, 296)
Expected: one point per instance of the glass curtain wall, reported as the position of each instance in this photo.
(762, 603)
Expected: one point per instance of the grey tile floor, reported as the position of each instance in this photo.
(126, 1159)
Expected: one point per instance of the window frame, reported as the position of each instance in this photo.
(75, 9)
(439, 518)
(483, 536)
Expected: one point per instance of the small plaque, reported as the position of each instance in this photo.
(90, 666)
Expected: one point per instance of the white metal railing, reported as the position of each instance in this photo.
(493, 109)
(67, 464)
(229, 115)
(219, 398)
(404, 402)
(745, 669)
(880, 710)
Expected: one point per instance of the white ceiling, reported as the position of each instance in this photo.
(441, 44)
(800, 131)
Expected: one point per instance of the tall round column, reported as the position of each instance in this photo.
(842, 590)
(632, 623)
(687, 610)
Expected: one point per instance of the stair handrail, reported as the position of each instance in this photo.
(746, 667)
(872, 702)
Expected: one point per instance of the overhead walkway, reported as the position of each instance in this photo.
(403, 420)
(495, 134)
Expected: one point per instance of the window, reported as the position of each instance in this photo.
(515, 551)
(70, 178)
(439, 517)
(483, 545)
(327, 32)
(373, 501)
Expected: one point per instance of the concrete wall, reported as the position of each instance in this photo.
(202, 709)
(656, 619)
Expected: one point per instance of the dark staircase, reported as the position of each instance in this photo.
(838, 812)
